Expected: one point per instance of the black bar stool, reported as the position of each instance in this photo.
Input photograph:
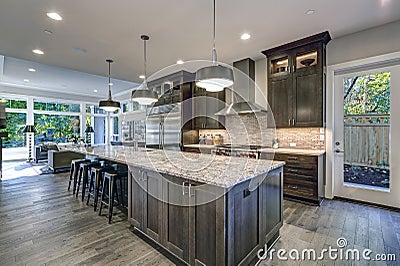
(83, 176)
(96, 182)
(110, 183)
(73, 173)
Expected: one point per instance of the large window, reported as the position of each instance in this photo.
(57, 107)
(96, 118)
(15, 123)
(56, 128)
(15, 104)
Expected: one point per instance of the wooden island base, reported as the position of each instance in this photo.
(227, 231)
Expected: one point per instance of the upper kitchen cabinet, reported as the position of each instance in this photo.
(169, 88)
(205, 105)
(296, 82)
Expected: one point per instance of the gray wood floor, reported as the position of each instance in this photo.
(42, 224)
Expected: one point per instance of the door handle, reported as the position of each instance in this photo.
(339, 151)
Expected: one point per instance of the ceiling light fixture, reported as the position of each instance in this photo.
(245, 36)
(38, 51)
(54, 16)
(142, 76)
(31, 70)
(180, 62)
(310, 12)
(215, 77)
(26, 80)
(95, 91)
(109, 105)
(143, 95)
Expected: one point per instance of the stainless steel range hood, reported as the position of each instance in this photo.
(243, 92)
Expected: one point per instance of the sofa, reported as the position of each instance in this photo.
(41, 150)
(62, 159)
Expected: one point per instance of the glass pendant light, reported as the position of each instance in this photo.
(214, 78)
(144, 95)
(109, 105)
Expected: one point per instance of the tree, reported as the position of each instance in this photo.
(369, 94)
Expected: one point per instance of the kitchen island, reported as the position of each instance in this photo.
(204, 209)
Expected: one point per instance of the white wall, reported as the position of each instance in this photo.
(371, 42)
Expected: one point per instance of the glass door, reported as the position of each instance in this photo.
(362, 136)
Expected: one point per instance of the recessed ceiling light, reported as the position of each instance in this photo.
(37, 51)
(179, 62)
(141, 76)
(95, 90)
(48, 32)
(245, 36)
(111, 84)
(54, 15)
(310, 11)
(26, 80)
(32, 70)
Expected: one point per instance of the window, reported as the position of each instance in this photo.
(57, 128)
(57, 107)
(15, 104)
(15, 123)
(94, 109)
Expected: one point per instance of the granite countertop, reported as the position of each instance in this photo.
(294, 151)
(211, 169)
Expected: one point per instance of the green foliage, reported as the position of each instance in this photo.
(15, 104)
(56, 127)
(369, 94)
(59, 107)
(14, 125)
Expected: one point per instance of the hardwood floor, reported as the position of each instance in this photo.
(43, 224)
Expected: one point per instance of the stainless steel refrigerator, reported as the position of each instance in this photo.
(163, 127)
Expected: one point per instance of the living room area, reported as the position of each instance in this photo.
(37, 129)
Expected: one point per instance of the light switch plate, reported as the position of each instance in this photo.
(321, 131)
(292, 144)
(322, 137)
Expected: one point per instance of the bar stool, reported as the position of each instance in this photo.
(110, 183)
(83, 176)
(73, 173)
(96, 182)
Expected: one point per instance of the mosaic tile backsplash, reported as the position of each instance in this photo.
(251, 129)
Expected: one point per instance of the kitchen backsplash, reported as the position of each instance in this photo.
(247, 130)
(305, 138)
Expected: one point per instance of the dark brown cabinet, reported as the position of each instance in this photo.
(296, 83)
(304, 175)
(202, 224)
(205, 105)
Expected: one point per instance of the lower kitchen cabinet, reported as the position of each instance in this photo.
(202, 224)
(304, 176)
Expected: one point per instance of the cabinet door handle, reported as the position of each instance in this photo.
(292, 187)
(294, 68)
(292, 158)
(294, 122)
(293, 170)
(290, 120)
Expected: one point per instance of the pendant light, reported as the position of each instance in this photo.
(214, 78)
(109, 105)
(144, 95)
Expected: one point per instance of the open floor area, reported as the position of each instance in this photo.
(43, 224)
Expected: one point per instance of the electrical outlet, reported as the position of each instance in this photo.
(322, 137)
(321, 131)
(292, 144)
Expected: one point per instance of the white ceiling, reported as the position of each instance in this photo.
(49, 78)
(178, 29)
